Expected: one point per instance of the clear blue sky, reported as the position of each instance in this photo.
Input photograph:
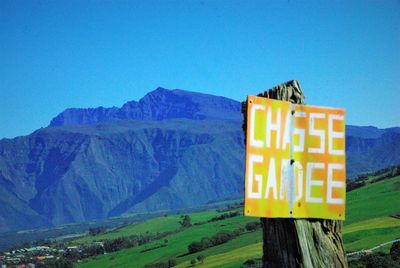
(60, 54)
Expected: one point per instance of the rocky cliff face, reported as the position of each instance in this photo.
(95, 163)
(371, 151)
(73, 174)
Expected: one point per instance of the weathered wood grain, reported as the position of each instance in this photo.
(299, 242)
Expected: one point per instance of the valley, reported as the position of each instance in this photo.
(371, 219)
(132, 175)
(96, 163)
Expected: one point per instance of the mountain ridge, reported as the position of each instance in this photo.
(159, 104)
(93, 169)
(80, 173)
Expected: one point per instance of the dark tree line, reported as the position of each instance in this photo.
(225, 216)
(361, 180)
(185, 221)
(119, 243)
(220, 217)
(168, 264)
(217, 239)
(379, 259)
(253, 226)
(97, 230)
(60, 263)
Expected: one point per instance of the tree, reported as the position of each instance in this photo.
(253, 226)
(395, 171)
(217, 239)
(171, 262)
(249, 263)
(206, 242)
(195, 247)
(395, 251)
(97, 230)
(379, 260)
(193, 262)
(201, 258)
(185, 222)
(93, 251)
(72, 255)
(60, 263)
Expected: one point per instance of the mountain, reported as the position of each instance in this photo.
(369, 149)
(84, 172)
(369, 132)
(159, 104)
(171, 149)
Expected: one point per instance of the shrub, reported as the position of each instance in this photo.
(379, 260)
(116, 244)
(395, 251)
(201, 258)
(217, 239)
(253, 226)
(206, 242)
(62, 263)
(224, 216)
(249, 262)
(185, 222)
(171, 262)
(195, 247)
(97, 230)
(93, 251)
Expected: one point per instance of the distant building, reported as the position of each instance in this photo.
(73, 249)
(40, 258)
(98, 243)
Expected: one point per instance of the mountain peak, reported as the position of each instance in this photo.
(159, 104)
(161, 89)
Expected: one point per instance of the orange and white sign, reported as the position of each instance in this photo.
(295, 160)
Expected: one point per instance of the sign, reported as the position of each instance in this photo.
(295, 160)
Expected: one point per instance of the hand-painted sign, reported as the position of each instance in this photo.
(295, 160)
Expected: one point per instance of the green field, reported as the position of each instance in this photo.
(178, 242)
(160, 224)
(373, 200)
(367, 224)
(233, 258)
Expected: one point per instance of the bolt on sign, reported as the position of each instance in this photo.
(295, 160)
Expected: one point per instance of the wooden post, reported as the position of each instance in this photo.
(298, 242)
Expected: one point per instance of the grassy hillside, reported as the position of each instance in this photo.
(367, 224)
(233, 258)
(178, 242)
(160, 224)
(368, 220)
(373, 200)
